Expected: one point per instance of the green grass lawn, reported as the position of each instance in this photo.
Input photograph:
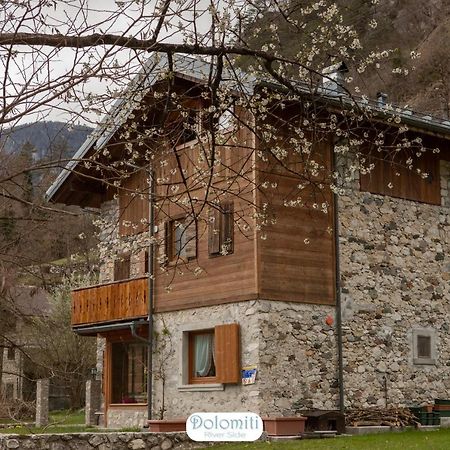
(60, 422)
(68, 417)
(408, 440)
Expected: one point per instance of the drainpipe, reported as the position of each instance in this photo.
(338, 296)
(151, 289)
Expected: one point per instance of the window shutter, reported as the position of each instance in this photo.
(227, 353)
(168, 240)
(214, 232)
(227, 226)
(191, 240)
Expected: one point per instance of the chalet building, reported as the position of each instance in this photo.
(345, 305)
(23, 305)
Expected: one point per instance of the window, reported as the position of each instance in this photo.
(424, 351)
(211, 355)
(11, 353)
(122, 268)
(181, 239)
(129, 372)
(221, 229)
(9, 391)
(202, 367)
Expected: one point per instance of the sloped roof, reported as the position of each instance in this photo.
(198, 71)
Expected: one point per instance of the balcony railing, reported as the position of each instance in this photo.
(108, 302)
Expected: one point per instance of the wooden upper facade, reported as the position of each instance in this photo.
(218, 247)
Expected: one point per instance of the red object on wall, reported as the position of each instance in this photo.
(329, 321)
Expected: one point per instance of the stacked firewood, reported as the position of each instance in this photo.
(394, 417)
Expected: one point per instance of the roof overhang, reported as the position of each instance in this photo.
(74, 185)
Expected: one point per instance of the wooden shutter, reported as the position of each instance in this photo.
(191, 239)
(227, 354)
(227, 226)
(168, 240)
(214, 232)
(122, 268)
(146, 268)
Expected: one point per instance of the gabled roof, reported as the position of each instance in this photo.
(184, 67)
(198, 71)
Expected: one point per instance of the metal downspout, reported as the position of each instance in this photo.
(151, 290)
(338, 296)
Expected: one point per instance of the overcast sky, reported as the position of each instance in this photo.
(106, 16)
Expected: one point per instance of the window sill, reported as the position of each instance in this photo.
(201, 387)
(424, 361)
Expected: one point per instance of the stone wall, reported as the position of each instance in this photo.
(298, 358)
(112, 246)
(170, 358)
(395, 279)
(445, 183)
(290, 343)
(99, 441)
(127, 416)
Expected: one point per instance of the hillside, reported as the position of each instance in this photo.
(49, 139)
(405, 26)
(399, 26)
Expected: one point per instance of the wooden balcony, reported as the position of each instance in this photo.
(109, 302)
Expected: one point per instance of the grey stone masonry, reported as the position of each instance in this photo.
(103, 441)
(93, 400)
(42, 392)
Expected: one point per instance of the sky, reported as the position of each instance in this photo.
(33, 70)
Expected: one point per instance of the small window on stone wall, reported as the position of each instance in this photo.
(424, 351)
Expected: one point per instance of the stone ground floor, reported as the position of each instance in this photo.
(391, 357)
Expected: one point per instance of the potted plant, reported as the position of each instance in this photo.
(284, 426)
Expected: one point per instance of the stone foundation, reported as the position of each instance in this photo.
(126, 417)
(290, 343)
(104, 441)
(170, 370)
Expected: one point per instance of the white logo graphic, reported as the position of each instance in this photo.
(237, 426)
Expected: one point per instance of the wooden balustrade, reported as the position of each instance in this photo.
(109, 302)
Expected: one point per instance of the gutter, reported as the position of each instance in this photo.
(94, 329)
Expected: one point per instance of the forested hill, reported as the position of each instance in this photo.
(399, 26)
(406, 26)
(49, 139)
